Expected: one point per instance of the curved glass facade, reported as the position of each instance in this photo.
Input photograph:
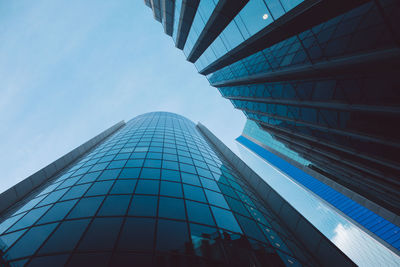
(154, 193)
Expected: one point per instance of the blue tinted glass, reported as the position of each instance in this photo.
(172, 165)
(137, 234)
(65, 237)
(194, 193)
(122, 156)
(116, 164)
(76, 191)
(154, 155)
(53, 197)
(150, 173)
(86, 207)
(152, 163)
(30, 218)
(30, 242)
(198, 212)
(58, 211)
(123, 187)
(134, 163)
(109, 174)
(216, 199)
(187, 168)
(171, 208)
(143, 206)
(170, 157)
(237, 206)
(7, 223)
(147, 187)
(251, 228)
(172, 235)
(170, 175)
(89, 177)
(171, 189)
(108, 227)
(130, 173)
(209, 184)
(190, 178)
(225, 219)
(7, 240)
(138, 155)
(114, 205)
(99, 188)
(99, 167)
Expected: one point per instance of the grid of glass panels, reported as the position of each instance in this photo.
(359, 30)
(155, 193)
(370, 220)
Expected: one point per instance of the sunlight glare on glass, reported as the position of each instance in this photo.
(265, 16)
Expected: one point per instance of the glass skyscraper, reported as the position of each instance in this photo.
(297, 168)
(156, 191)
(321, 77)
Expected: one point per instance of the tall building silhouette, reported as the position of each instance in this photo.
(156, 191)
(321, 77)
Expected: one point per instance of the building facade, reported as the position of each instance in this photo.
(156, 191)
(327, 190)
(320, 76)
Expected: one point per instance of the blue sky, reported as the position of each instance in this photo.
(71, 69)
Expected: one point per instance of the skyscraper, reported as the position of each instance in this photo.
(298, 169)
(320, 76)
(159, 191)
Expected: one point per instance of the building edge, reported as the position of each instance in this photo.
(323, 250)
(372, 206)
(22, 189)
(348, 193)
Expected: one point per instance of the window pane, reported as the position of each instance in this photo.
(7, 223)
(58, 211)
(89, 177)
(99, 188)
(130, 173)
(198, 212)
(171, 189)
(169, 175)
(30, 218)
(31, 241)
(53, 197)
(76, 191)
(116, 164)
(143, 206)
(148, 173)
(190, 179)
(171, 235)
(137, 234)
(147, 187)
(225, 219)
(134, 163)
(86, 207)
(123, 187)
(65, 237)
(109, 174)
(109, 229)
(171, 208)
(216, 199)
(115, 205)
(209, 184)
(194, 193)
(251, 229)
